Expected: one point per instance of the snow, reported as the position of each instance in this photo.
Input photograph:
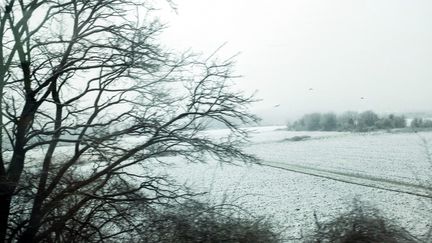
(399, 156)
(290, 198)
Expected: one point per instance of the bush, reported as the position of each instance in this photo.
(297, 138)
(201, 222)
(360, 225)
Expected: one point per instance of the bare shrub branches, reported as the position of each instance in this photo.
(361, 224)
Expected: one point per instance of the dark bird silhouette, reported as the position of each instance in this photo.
(277, 105)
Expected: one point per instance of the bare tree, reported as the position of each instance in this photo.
(89, 101)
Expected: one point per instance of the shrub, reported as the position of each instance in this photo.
(297, 138)
(201, 222)
(360, 225)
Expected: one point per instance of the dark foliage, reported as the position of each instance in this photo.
(297, 138)
(421, 123)
(347, 121)
(201, 222)
(360, 225)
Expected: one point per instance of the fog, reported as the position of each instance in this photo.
(313, 55)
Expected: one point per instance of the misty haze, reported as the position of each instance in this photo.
(216, 121)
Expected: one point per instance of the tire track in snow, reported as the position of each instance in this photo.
(356, 179)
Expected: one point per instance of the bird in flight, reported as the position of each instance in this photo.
(277, 105)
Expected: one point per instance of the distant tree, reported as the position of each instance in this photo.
(391, 121)
(90, 101)
(312, 121)
(421, 123)
(351, 121)
(297, 125)
(347, 121)
(367, 120)
(384, 123)
(416, 122)
(328, 122)
(427, 123)
(399, 122)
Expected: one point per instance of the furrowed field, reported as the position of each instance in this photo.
(323, 174)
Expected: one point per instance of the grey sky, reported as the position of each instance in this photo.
(315, 55)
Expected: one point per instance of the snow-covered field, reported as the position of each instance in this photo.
(401, 156)
(291, 198)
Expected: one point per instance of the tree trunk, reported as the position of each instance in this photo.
(9, 181)
(5, 200)
(28, 235)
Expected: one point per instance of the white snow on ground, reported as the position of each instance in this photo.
(399, 156)
(290, 198)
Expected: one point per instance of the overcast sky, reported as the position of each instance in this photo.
(315, 55)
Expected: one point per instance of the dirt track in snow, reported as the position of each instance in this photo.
(356, 178)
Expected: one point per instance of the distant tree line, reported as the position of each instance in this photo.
(421, 123)
(347, 121)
